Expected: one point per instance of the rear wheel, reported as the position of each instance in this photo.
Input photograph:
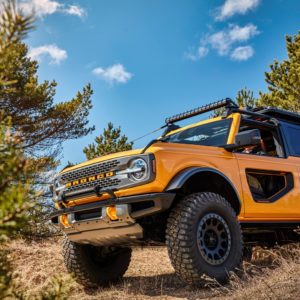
(95, 266)
(204, 238)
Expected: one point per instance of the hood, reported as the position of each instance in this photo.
(103, 158)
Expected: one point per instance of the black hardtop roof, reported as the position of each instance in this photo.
(280, 114)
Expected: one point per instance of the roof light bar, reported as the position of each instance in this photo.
(200, 110)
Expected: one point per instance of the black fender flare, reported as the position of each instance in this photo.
(180, 179)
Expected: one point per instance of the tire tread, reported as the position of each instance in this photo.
(181, 243)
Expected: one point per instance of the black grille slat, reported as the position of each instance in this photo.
(92, 170)
(89, 171)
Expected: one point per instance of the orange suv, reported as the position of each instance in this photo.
(209, 191)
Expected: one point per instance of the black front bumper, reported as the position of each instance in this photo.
(99, 230)
(161, 202)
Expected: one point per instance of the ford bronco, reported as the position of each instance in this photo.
(209, 191)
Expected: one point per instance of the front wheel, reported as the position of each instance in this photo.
(95, 266)
(204, 238)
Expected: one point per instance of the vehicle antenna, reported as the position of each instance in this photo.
(158, 129)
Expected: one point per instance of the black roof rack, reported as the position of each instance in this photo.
(280, 114)
(228, 103)
(263, 113)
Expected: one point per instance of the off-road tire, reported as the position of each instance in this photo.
(184, 244)
(80, 260)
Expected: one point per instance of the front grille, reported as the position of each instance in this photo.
(92, 170)
(81, 182)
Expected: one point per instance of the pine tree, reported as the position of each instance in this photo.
(13, 27)
(284, 79)
(43, 123)
(15, 190)
(246, 99)
(111, 141)
(15, 196)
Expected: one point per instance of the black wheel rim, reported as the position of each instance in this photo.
(213, 239)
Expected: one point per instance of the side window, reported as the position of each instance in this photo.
(292, 134)
(268, 186)
(270, 144)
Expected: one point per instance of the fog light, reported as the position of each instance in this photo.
(111, 211)
(64, 220)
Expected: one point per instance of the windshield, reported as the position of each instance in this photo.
(210, 134)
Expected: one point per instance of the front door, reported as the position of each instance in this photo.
(269, 176)
(270, 187)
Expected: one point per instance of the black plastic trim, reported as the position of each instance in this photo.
(179, 180)
(268, 225)
(281, 114)
(258, 124)
(289, 184)
(250, 113)
(162, 202)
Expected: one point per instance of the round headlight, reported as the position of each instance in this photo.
(139, 169)
(57, 186)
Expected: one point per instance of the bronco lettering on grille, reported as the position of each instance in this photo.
(89, 179)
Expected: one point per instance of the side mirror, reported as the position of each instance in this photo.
(245, 138)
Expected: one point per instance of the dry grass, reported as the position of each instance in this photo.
(271, 275)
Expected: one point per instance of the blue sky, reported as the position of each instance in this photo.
(147, 60)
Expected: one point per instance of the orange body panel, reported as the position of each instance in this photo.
(287, 207)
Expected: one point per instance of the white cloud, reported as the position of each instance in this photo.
(232, 37)
(190, 55)
(232, 7)
(42, 8)
(56, 54)
(202, 51)
(113, 74)
(223, 40)
(196, 55)
(237, 33)
(75, 11)
(242, 53)
(220, 41)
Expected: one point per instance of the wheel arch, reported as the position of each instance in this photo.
(200, 179)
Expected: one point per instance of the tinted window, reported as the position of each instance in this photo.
(292, 134)
(211, 134)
